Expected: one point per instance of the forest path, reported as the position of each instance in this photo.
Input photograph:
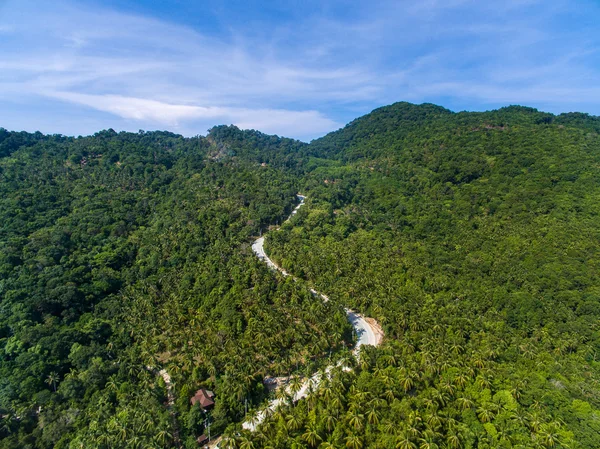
(170, 402)
(367, 330)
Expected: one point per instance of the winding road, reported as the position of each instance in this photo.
(367, 331)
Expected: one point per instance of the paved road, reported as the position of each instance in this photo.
(366, 334)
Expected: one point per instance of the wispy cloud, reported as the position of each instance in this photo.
(304, 76)
(267, 120)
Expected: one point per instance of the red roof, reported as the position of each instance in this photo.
(204, 397)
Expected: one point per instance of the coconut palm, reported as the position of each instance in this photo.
(228, 442)
(389, 395)
(407, 382)
(293, 422)
(434, 420)
(453, 440)
(295, 385)
(246, 443)
(465, 403)
(428, 442)
(311, 436)
(354, 442)
(549, 435)
(326, 445)
(356, 421)
(485, 413)
(52, 379)
(330, 422)
(373, 416)
(403, 441)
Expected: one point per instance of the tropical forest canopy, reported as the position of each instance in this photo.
(472, 238)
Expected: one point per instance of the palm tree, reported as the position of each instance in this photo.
(228, 442)
(134, 442)
(519, 418)
(268, 412)
(447, 386)
(257, 416)
(373, 416)
(439, 397)
(389, 359)
(388, 427)
(389, 395)
(485, 413)
(354, 442)
(336, 403)
(122, 432)
(163, 436)
(550, 435)
(404, 442)
(295, 385)
(311, 436)
(8, 422)
(326, 445)
(456, 348)
(293, 422)
(483, 381)
(453, 440)
(212, 370)
(503, 431)
(414, 421)
(358, 395)
(246, 443)
(433, 420)
(428, 442)
(111, 385)
(461, 380)
(296, 444)
(283, 396)
(518, 387)
(364, 360)
(269, 428)
(465, 403)
(52, 379)
(326, 389)
(103, 439)
(330, 422)
(407, 382)
(356, 421)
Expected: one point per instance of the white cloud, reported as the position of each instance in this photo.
(139, 108)
(278, 121)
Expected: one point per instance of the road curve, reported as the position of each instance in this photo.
(366, 333)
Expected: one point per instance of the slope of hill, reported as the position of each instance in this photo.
(472, 237)
(121, 254)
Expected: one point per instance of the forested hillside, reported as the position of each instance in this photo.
(122, 254)
(473, 238)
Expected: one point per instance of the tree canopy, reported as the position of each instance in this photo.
(473, 238)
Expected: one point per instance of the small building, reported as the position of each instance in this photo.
(204, 398)
(202, 440)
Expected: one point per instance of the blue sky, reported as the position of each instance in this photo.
(293, 68)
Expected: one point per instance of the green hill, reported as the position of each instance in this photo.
(473, 238)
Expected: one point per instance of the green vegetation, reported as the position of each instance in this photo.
(122, 254)
(473, 238)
